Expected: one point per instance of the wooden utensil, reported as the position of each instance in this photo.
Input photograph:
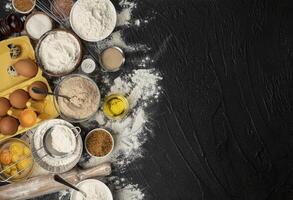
(42, 185)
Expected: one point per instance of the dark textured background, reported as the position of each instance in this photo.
(223, 127)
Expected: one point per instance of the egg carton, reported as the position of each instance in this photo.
(10, 82)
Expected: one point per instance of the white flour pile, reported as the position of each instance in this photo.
(129, 192)
(125, 191)
(63, 139)
(124, 16)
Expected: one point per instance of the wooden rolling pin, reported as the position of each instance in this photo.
(42, 185)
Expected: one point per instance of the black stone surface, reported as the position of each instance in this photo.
(223, 127)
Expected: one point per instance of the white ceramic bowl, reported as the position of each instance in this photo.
(106, 34)
(19, 11)
(100, 185)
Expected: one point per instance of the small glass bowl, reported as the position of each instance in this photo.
(122, 98)
(56, 91)
(30, 169)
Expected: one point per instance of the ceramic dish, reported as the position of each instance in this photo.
(24, 163)
(106, 34)
(57, 91)
(91, 132)
(39, 59)
(28, 18)
(101, 187)
(48, 162)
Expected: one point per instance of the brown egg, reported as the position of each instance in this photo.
(18, 98)
(26, 68)
(4, 106)
(40, 85)
(8, 125)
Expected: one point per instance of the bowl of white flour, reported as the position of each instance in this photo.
(59, 52)
(94, 189)
(93, 20)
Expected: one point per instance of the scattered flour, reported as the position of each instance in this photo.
(124, 17)
(125, 191)
(141, 87)
(130, 192)
(63, 195)
(8, 6)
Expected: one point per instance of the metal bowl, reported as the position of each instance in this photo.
(30, 169)
(56, 91)
(39, 59)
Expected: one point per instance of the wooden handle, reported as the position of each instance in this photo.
(103, 170)
(42, 185)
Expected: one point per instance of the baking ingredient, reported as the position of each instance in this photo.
(115, 106)
(130, 192)
(60, 164)
(112, 58)
(19, 98)
(20, 163)
(88, 65)
(39, 85)
(62, 8)
(99, 143)
(142, 90)
(27, 118)
(93, 20)
(94, 189)
(59, 52)
(63, 139)
(37, 24)
(4, 106)
(84, 97)
(8, 125)
(23, 164)
(26, 68)
(23, 5)
(16, 148)
(26, 151)
(5, 157)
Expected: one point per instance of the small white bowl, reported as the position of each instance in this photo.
(91, 132)
(22, 12)
(112, 9)
(101, 187)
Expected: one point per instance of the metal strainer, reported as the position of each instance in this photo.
(47, 141)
